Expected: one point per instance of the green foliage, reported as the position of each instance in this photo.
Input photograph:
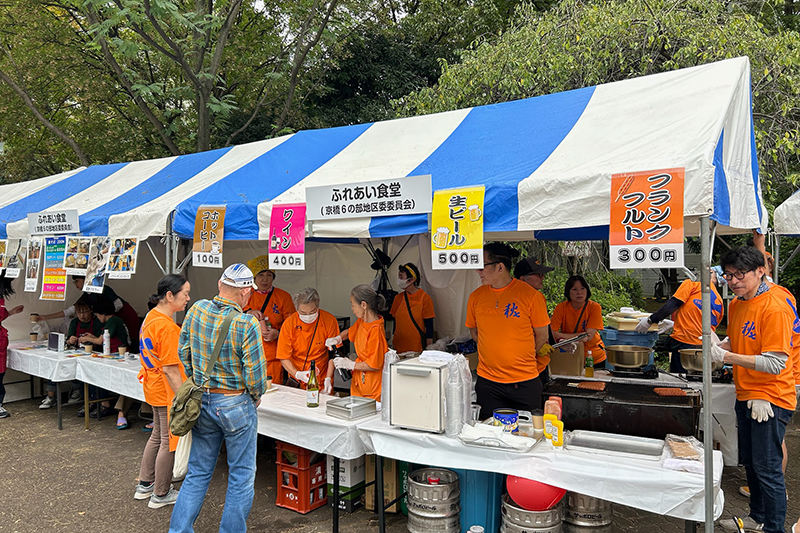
(610, 289)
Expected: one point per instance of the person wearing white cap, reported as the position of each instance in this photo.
(232, 390)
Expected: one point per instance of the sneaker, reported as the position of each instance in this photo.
(81, 412)
(48, 402)
(75, 395)
(143, 491)
(749, 524)
(3, 412)
(156, 502)
(744, 490)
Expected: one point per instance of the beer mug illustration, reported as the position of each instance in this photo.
(440, 238)
(474, 213)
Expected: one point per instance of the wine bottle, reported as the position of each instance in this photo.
(345, 374)
(312, 389)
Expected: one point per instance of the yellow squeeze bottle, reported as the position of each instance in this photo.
(557, 437)
(549, 425)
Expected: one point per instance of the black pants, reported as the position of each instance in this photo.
(673, 346)
(2, 388)
(525, 395)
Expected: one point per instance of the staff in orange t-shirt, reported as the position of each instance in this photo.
(369, 339)
(507, 323)
(759, 348)
(302, 340)
(579, 314)
(271, 306)
(161, 377)
(532, 271)
(414, 327)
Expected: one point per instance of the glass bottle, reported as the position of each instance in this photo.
(312, 389)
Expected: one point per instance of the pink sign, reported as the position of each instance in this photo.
(287, 237)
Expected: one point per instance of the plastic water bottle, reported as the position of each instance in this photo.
(106, 343)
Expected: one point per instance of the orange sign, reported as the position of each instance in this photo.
(646, 227)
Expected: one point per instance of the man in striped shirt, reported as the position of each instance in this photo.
(232, 391)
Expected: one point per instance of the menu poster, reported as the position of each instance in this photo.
(209, 232)
(54, 282)
(16, 253)
(77, 257)
(3, 245)
(457, 228)
(646, 228)
(122, 257)
(98, 264)
(32, 264)
(287, 237)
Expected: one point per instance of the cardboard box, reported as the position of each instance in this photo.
(567, 364)
(352, 501)
(391, 484)
(351, 471)
(473, 360)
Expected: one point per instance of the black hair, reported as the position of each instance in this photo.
(411, 271)
(78, 277)
(744, 258)
(571, 281)
(502, 253)
(170, 283)
(364, 293)
(83, 301)
(103, 307)
(6, 289)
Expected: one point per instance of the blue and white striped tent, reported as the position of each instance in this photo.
(786, 218)
(546, 163)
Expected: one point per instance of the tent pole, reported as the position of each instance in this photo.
(155, 257)
(776, 255)
(708, 428)
(168, 259)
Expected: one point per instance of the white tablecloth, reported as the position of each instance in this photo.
(41, 362)
(283, 415)
(637, 483)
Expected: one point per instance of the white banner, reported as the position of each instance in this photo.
(647, 256)
(54, 222)
(402, 196)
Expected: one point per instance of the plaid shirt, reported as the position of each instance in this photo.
(241, 364)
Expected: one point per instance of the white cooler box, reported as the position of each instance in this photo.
(417, 392)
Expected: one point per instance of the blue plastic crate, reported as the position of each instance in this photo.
(612, 337)
(481, 499)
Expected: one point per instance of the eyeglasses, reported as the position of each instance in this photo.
(738, 274)
(489, 263)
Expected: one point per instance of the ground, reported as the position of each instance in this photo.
(83, 481)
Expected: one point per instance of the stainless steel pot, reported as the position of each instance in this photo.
(692, 359)
(628, 356)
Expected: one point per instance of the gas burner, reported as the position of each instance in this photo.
(649, 372)
(723, 375)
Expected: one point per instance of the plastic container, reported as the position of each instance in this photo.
(106, 343)
(481, 498)
(302, 479)
(628, 338)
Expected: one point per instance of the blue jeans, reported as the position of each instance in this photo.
(761, 454)
(232, 419)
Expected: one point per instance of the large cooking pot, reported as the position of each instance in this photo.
(624, 356)
(692, 359)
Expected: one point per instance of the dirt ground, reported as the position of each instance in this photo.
(83, 481)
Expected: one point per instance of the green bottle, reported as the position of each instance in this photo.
(312, 389)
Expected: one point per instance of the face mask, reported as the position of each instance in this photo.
(308, 319)
(403, 283)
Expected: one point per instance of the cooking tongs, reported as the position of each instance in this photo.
(582, 337)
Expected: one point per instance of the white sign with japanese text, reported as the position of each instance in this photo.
(54, 222)
(402, 196)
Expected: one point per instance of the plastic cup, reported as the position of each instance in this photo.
(269, 382)
(476, 412)
(88, 348)
(34, 337)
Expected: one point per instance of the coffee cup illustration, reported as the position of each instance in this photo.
(215, 246)
(475, 213)
(440, 237)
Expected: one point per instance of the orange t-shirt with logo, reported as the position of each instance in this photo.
(689, 317)
(763, 324)
(565, 316)
(792, 302)
(505, 319)
(296, 335)
(279, 308)
(406, 337)
(370, 343)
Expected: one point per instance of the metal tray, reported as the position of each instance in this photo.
(350, 407)
(614, 444)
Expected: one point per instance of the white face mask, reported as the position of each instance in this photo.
(309, 319)
(403, 283)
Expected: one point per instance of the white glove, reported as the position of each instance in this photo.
(760, 410)
(327, 387)
(344, 362)
(570, 348)
(717, 353)
(302, 376)
(333, 341)
(665, 326)
(643, 325)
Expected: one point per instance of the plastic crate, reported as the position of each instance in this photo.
(302, 489)
(613, 337)
(481, 498)
(295, 456)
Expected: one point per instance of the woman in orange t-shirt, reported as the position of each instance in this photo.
(161, 377)
(369, 338)
(579, 314)
(411, 328)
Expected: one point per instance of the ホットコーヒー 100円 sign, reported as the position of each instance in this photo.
(400, 196)
(646, 226)
(54, 222)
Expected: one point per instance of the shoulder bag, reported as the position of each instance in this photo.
(411, 316)
(187, 403)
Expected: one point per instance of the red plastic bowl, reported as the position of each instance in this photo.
(533, 495)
